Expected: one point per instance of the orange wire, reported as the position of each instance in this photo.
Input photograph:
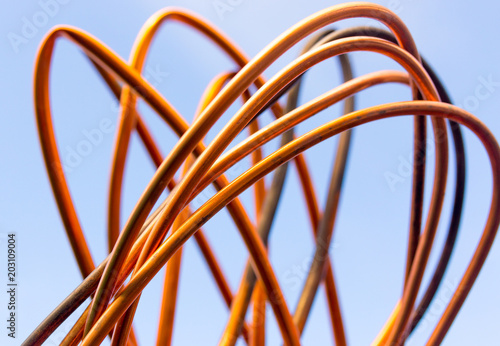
(386, 44)
(146, 252)
(180, 195)
(222, 102)
(435, 109)
(343, 11)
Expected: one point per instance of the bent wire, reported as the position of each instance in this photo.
(153, 236)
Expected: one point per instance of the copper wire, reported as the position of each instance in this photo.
(152, 238)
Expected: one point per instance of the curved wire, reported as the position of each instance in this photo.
(90, 282)
(370, 44)
(460, 163)
(435, 109)
(348, 11)
(240, 83)
(141, 249)
(249, 279)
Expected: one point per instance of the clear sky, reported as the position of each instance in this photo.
(369, 246)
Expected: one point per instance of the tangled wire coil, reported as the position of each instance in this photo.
(152, 237)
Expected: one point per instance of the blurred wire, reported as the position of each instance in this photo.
(152, 238)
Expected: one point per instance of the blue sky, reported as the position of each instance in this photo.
(368, 250)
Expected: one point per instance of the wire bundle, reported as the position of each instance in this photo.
(152, 238)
